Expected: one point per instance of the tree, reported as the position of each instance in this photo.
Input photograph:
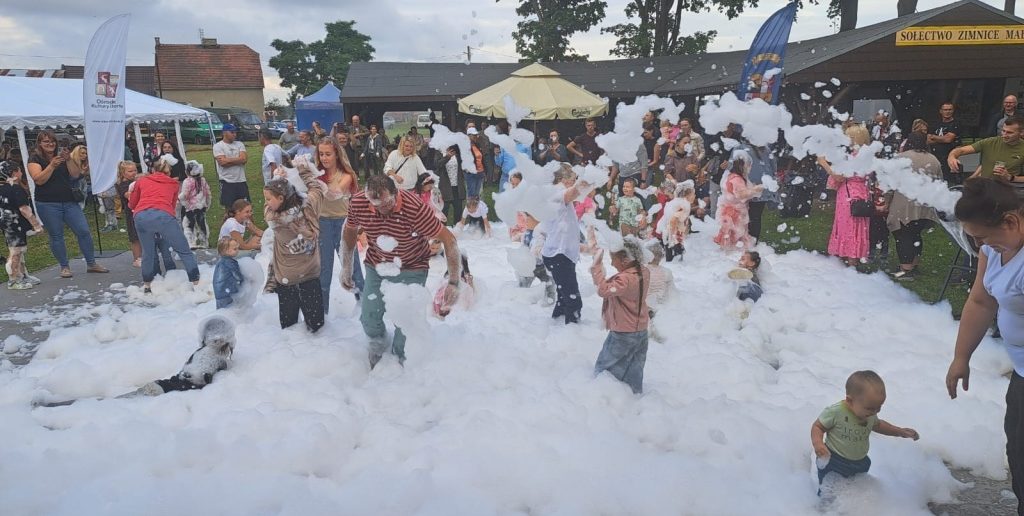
(305, 67)
(544, 33)
(654, 26)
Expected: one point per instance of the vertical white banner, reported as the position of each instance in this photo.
(103, 88)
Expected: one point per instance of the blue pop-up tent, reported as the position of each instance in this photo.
(323, 106)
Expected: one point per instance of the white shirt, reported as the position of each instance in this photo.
(231, 225)
(480, 213)
(233, 173)
(1006, 284)
(409, 171)
(563, 233)
(272, 153)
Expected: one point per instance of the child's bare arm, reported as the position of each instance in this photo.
(818, 439)
(26, 211)
(886, 428)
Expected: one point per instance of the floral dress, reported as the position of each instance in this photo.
(733, 213)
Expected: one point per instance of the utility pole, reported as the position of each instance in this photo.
(469, 55)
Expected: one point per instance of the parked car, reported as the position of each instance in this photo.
(277, 128)
(247, 122)
(423, 120)
(198, 131)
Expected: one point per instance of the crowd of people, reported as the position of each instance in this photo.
(385, 210)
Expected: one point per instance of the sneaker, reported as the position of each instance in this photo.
(97, 268)
(21, 284)
(65, 272)
(32, 279)
(904, 275)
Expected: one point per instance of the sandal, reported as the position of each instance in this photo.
(65, 272)
(137, 262)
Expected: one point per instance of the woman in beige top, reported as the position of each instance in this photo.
(342, 183)
(907, 219)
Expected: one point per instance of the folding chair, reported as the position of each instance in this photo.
(966, 247)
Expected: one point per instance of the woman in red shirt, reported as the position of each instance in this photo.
(152, 199)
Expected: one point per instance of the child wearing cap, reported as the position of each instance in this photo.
(16, 218)
(195, 199)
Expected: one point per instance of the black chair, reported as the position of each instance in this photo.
(966, 259)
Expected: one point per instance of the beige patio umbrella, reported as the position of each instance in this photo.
(541, 90)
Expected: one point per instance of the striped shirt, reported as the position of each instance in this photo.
(412, 224)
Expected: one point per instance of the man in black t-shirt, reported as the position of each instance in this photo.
(584, 146)
(945, 137)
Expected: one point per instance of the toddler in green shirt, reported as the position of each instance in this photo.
(840, 434)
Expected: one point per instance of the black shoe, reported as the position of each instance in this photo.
(147, 290)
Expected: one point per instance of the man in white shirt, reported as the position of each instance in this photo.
(273, 155)
(231, 159)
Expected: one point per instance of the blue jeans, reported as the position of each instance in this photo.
(54, 216)
(624, 355)
(843, 466)
(152, 222)
(473, 184)
(330, 244)
(372, 316)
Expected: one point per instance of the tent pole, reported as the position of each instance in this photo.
(141, 148)
(23, 145)
(96, 217)
(181, 144)
(209, 123)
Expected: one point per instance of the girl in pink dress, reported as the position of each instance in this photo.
(850, 240)
(733, 212)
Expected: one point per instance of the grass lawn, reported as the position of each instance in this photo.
(813, 233)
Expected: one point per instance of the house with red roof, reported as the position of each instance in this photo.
(209, 74)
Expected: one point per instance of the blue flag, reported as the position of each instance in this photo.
(762, 70)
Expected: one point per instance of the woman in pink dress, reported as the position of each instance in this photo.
(850, 240)
(733, 212)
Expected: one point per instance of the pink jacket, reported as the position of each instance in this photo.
(624, 308)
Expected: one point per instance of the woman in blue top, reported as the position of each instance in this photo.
(993, 215)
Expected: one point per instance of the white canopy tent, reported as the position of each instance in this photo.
(27, 103)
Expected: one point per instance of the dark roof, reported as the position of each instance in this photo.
(139, 78)
(209, 67)
(26, 72)
(671, 75)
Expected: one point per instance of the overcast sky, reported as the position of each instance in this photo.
(48, 33)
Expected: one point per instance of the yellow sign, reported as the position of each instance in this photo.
(961, 35)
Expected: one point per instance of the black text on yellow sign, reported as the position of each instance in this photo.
(961, 35)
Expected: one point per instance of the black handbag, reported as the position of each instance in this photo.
(860, 207)
(78, 188)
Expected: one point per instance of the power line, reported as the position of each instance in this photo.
(496, 53)
(80, 58)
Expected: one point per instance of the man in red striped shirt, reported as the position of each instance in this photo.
(398, 228)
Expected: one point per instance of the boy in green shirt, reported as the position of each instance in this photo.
(840, 434)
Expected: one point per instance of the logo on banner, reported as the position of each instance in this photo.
(106, 84)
